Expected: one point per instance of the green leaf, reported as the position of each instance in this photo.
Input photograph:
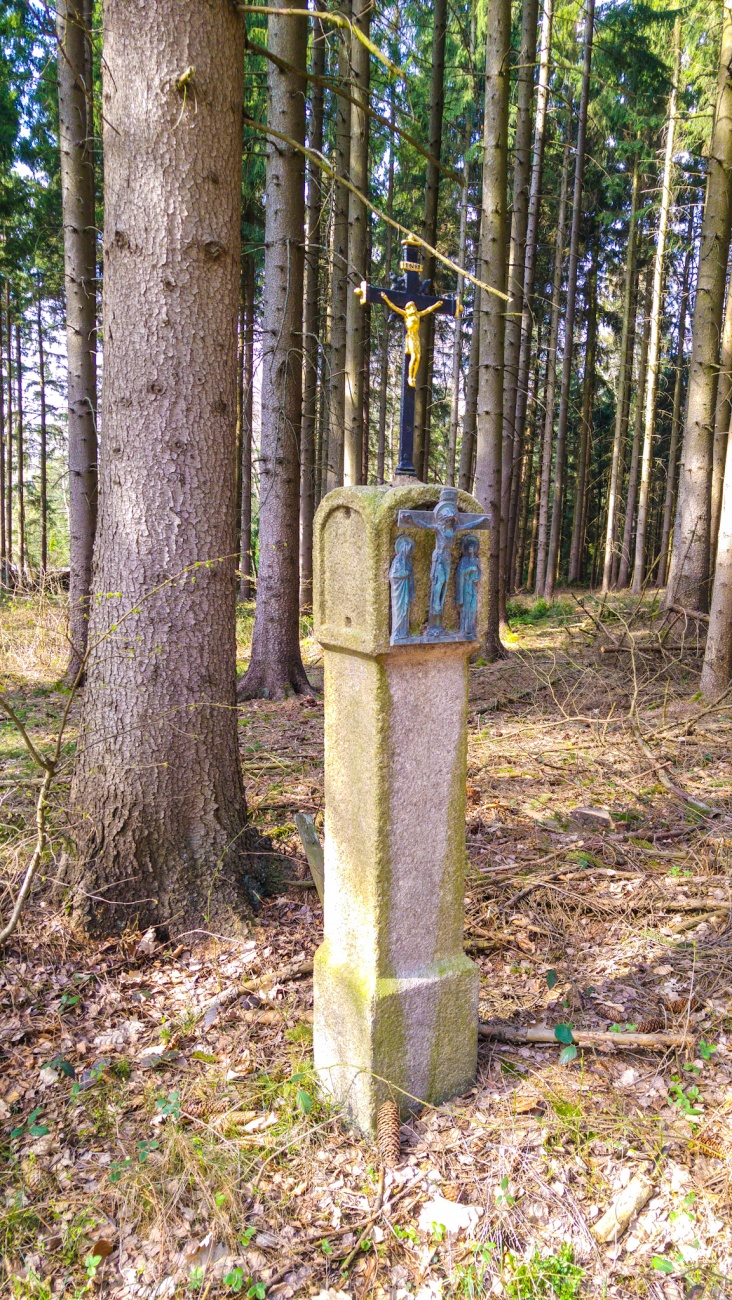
(663, 1265)
(551, 978)
(563, 1033)
(235, 1279)
(706, 1049)
(304, 1101)
(39, 1130)
(257, 1290)
(567, 1054)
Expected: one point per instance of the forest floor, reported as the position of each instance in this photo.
(161, 1134)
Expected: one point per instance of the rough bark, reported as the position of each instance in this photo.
(457, 335)
(43, 503)
(542, 544)
(385, 331)
(157, 787)
(492, 308)
(339, 267)
(4, 576)
(512, 447)
(717, 668)
(579, 171)
(423, 394)
(721, 427)
(275, 669)
(532, 227)
(676, 413)
(311, 320)
(625, 371)
(246, 565)
(20, 452)
(654, 345)
(357, 248)
(588, 397)
(76, 136)
(467, 446)
(632, 493)
(9, 463)
(688, 583)
(528, 469)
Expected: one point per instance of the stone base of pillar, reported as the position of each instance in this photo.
(414, 1039)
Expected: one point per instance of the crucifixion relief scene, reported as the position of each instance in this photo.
(366, 650)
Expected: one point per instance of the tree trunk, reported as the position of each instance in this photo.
(625, 372)
(654, 346)
(339, 265)
(357, 247)
(246, 566)
(423, 395)
(4, 576)
(588, 398)
(688, 582)
(384, 361)
(532, 227)
(157, 787)
(721, 427)
(512, 448)
(457, 335)
(579, 171)
(546, 454)
(20, 444)
(76, 137)
(676, 414)
(717, 668)
(528, 473)
(276, 670)
(467, 447)
(624, 569)
(492, 308)
(44, 438)
(311, 321)
(9, 483)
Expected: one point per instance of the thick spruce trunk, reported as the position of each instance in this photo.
(555, 538)
(512, 447)
(633, 472)
(4, 576)
(9, 464)
(157, 787)
(625, 371)
(588, 398)
(542, 543)
(423, 394)
(717, 669)
(357, 249)
(311, 320)
(532, 227)
(76, 139)
(43, 450)
(246, 563)
(457, 336)
(494, 241)
(20, 445)
(689, 582)
(339, 266)
(275, 668)
(676, 412)
(385, 331)
(654, 345)
(721, 427)
(470, 419)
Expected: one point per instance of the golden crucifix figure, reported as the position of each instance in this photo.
(412, 346)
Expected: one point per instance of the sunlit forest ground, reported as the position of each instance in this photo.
(161, 1129)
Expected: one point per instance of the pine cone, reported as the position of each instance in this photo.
(653, 1025)
(387, 1132)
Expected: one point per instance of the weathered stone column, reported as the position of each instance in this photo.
(396, 999)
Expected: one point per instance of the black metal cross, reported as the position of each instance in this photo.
(410, 299)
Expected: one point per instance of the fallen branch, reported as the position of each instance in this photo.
(692, 614)
(666, 781)
(499, 1032)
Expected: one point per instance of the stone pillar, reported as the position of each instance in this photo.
(396, 999)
